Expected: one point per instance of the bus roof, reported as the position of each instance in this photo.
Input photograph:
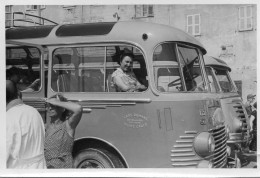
(212, 61)
(150, 34)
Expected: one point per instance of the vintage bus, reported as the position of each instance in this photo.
(231, 103)
(176, 122)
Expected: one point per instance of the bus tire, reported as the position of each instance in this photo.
(96, 158)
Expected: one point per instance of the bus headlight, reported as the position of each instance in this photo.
(204, 144)
(237, 125)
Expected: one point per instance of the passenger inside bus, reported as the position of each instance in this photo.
(22, 80)
(124, 78)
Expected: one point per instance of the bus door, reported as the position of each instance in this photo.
(29, 62)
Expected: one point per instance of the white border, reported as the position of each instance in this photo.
(113, 172)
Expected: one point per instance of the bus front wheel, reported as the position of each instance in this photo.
(96, 158)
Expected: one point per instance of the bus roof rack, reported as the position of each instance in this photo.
(28, 19)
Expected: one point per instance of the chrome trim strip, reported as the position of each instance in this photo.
(182, 146)
(182, 155)
(188, 164)
(181, 151)
(190, 132)
(185, 160)
(187, 137)
(184, 141)
(137, 100)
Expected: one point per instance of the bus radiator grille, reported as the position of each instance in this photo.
(220, 154)
(242, 117)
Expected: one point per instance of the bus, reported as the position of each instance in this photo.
(174, 123)
(231, 102)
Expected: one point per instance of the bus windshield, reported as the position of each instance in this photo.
(174, 68)
(224, 80)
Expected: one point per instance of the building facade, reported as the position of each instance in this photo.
(227, 31)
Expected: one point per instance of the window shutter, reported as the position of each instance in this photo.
(138, 11)
(145, 10)
(42, 6)
(197, 24)
(245, 18)
(189, 24)
(249, 17)
(150, 10)
(242, 18)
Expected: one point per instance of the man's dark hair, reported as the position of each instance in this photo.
(11, 91)
(12, 71)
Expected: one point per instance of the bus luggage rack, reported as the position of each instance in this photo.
(27, 20)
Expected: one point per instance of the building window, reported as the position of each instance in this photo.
(193, 24)
(144, 11)
(42, 7)
(35, 7)
(245, 18)
(31, 7)
(8, 16)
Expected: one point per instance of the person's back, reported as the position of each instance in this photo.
(23, 122)
(24, 135)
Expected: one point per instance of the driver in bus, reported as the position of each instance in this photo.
(124, 79)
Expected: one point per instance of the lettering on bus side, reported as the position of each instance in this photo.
(134, 120)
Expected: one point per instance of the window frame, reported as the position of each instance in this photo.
(245, 18)
(103, 66)
(193, 24)
(180, 68)
(40, 66)
(10, 13)
(142, 13)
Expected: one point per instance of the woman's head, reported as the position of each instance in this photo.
(56, 111)
(126, 60)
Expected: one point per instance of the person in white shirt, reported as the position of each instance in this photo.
(24, 133)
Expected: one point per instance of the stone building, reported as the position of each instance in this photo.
(227, 31)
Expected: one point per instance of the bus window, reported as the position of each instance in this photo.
(189, 58)
(112, 63)
(23, 67)
(89, 69)
(224, 81)
(166, 68)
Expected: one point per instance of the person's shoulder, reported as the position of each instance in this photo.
(29, 108)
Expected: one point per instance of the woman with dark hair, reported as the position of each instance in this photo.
(59, 138)
(124, 78)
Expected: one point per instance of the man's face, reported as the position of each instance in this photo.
(15, 78)
(251, 100)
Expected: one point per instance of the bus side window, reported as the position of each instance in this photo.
(23, 67)
(112, 64)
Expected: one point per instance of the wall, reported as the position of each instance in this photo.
(219, 30)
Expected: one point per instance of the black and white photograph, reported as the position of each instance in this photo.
(143, 88)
